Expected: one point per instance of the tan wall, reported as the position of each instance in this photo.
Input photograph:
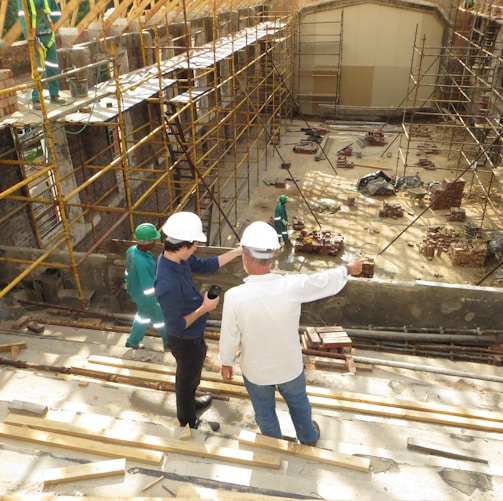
(377, 47)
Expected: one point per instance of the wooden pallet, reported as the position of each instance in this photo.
(330, 339)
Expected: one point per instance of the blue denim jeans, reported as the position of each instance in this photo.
(294, 393)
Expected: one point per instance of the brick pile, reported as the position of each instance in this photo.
(393, 210)
(448, 195)
(8, 102)
(438, 239)
(468, 253)
(457, 214)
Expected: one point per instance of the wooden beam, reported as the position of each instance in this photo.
(304, 451)
(79, 444)
(87, 471)
(7, 346)
(448, 451)
(369, 403)
(106, 433)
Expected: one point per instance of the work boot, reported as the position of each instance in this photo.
(206, 425)
(139, 347)
(314, 442)
(58, 100)
(202, 402)
(37, 105)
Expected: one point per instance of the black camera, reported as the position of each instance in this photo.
(214, 291)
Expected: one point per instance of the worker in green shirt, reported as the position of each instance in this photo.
(139, 275)
(41, 17)
(281, 220)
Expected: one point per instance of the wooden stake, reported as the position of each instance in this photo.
(156, 481)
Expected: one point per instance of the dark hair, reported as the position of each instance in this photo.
(171, 247)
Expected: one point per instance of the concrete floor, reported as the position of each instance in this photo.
(396, 472)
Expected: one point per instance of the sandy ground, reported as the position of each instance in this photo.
(319, 186)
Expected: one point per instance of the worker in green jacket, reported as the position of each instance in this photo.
(281, 219)
(41, 18)
(139, 275)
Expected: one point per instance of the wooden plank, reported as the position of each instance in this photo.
(205, 385)
(47, 497)
(340, 396)
(313, 336)
(481, 414)
(304, 451)
(79, 444)
(449, 451)
(426, 417)
(85, 471)
(106, 433)
(28, 407)
(7, 347)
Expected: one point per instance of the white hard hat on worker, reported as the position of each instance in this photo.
(261, 239)
(184, 227)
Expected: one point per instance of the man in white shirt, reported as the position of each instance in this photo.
(260, 319)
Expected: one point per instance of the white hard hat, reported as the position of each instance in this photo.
(261, 238)
(184, 227)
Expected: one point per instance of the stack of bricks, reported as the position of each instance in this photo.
(438, 238)
(8, 102)
(448, 195)
(457, 214)
(468, 253)
(393, 210)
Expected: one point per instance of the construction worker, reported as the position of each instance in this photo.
(281, 220)
(140, 274)
(260, 322)
(186, 310)
(42, 14)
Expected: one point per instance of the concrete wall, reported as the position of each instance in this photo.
(362, 303)
(375, 58)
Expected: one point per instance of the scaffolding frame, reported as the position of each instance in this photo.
(214, 98)
(456, 89)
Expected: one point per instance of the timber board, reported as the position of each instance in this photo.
(87, 471)
(304, 451)
(79, 444)
(108, 434)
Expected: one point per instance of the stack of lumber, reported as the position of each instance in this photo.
(319, 397)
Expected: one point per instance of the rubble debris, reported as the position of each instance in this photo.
(457, 214)
(420, 131)
(342, 162)
(425, 163)
(438, 238)
(346, 151)
(468, 253)
(448, 195)
(322, 242)
(298, 223)
(428, 148)
(408, 182)
(393, 210)
(375, 138)
(306, 147)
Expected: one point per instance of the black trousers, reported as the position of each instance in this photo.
(189, 355)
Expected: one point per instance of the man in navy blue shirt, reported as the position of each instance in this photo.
(185, 310)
